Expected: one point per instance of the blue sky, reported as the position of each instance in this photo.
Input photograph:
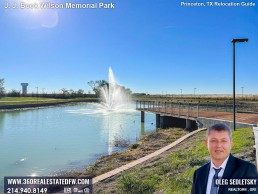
(151, 45)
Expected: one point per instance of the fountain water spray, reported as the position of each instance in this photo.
(113, 96)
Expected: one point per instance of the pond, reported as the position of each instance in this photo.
(47, 141)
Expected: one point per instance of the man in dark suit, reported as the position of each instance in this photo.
(223, 164)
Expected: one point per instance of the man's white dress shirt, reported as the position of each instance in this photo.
(212, 173)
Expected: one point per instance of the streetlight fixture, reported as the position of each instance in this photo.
(234, 41)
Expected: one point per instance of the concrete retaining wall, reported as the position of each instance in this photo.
(169, 121)
(207, 122)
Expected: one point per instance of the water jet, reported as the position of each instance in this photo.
(113, 96)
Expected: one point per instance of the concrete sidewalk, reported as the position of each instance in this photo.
(158, 152)
(143, 159)
(255, 129)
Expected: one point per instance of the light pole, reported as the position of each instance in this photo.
(234, 41)
(242, 93)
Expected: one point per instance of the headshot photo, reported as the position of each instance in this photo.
(222, 163)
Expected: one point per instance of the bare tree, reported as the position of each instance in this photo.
(2, 90)
(96, 85)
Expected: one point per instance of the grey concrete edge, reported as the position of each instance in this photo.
(143, 159)
(255, 131)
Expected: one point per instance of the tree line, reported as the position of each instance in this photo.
(98, 84)
(64, 93)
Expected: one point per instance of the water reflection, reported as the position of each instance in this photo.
(2, 115)
(7, 116)
(142, 128)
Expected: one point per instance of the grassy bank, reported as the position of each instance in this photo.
(172, 171)
(34, 100)
(148, 144)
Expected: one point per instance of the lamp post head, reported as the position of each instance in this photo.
(240, 40)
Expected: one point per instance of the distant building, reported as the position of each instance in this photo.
(24, 88)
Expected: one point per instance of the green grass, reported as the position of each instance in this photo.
(35, 100)
(173, 173)
(23, 99)
(243, 139)
(133, 183)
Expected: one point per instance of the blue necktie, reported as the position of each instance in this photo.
(214, 188)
